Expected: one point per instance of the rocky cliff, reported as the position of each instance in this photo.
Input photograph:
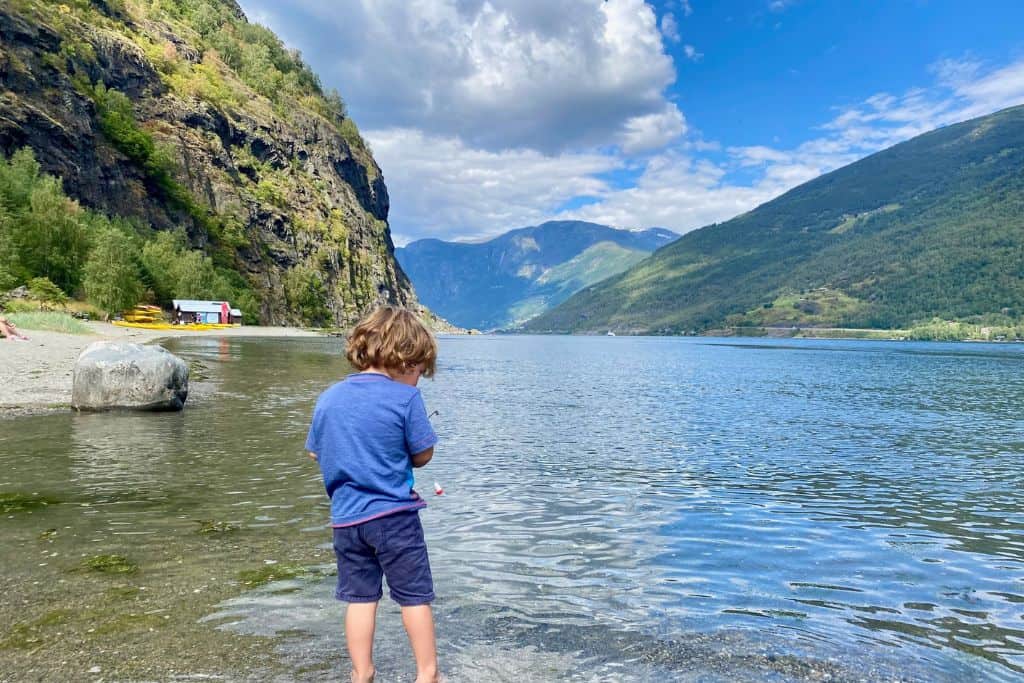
(222, 133)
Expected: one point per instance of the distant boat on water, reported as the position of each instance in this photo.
(610, 334)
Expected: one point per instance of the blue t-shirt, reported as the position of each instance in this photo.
(364, 430)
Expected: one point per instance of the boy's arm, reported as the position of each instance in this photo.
(418, 459)
(312, 455)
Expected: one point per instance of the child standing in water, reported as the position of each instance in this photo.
(368, 432)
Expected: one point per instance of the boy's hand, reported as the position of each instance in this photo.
(422, 458)
(312, 455)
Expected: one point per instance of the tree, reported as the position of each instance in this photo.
(196, 277)
(161, 258)
(50, 237)
(111, 273)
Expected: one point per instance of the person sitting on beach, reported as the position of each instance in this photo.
(368, 432)
(9, 331)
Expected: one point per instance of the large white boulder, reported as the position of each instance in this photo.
(120, 375)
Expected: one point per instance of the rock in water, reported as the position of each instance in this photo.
(118, 375)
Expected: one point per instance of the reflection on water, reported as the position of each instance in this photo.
(615, 509)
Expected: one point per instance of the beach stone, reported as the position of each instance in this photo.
(112, 375)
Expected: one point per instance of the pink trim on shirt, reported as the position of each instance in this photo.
(417, 505)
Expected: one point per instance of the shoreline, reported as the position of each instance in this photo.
(36, 375)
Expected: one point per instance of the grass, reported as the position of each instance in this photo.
(50, 321)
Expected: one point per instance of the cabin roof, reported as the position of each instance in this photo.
(196, 306)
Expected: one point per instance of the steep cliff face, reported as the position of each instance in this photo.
(271, 179)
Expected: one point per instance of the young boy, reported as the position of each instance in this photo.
(367, 434)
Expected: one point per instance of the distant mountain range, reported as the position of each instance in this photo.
(930, 228)
(507, 280)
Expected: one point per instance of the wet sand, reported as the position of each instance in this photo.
(35, 375)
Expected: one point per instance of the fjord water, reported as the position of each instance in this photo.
(615, 509)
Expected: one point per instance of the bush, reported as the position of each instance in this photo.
(21, 306)
(45, 291)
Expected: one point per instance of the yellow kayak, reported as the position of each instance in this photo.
(167, 326)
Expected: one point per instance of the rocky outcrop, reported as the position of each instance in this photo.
(114, 375)
(300, 195)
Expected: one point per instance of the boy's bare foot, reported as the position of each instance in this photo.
(430, 677)
(368, 678)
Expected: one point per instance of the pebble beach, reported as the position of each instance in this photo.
(35, 375)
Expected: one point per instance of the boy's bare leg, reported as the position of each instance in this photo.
(419, 624)
(360, 622)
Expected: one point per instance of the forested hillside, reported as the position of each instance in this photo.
(930, 228)
(198, 142)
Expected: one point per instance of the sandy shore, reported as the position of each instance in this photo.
(35, 376)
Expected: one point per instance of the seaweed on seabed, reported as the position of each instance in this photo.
(33, 634)
(14, 501)
(110, 564)
(253, 578)
(215, 526)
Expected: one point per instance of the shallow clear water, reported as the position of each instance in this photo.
(634, 509)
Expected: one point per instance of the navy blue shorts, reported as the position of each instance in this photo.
(391, 546)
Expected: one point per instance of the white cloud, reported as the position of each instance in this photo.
(670, 27)
(652, 131)
(997, 90)
(544, 74)
(963, 90)
(683, 192)
(445, 188)
(675, 191)
(442, 188)
(491, 114)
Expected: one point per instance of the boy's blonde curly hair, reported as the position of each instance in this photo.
(394, 339)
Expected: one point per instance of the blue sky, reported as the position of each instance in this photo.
(487, 115)
(771, 77)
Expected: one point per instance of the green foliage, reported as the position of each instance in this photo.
(306, 293)
(173, 271)
(160, 258)
(42, 232)
(117, 119)
(21, 306)
(111, 273)
(930, 228)
(254, 54)
(44, 290)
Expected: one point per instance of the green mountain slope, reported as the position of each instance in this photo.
(932, 227)
(554, 286)
(513, 277)
(184, 118)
